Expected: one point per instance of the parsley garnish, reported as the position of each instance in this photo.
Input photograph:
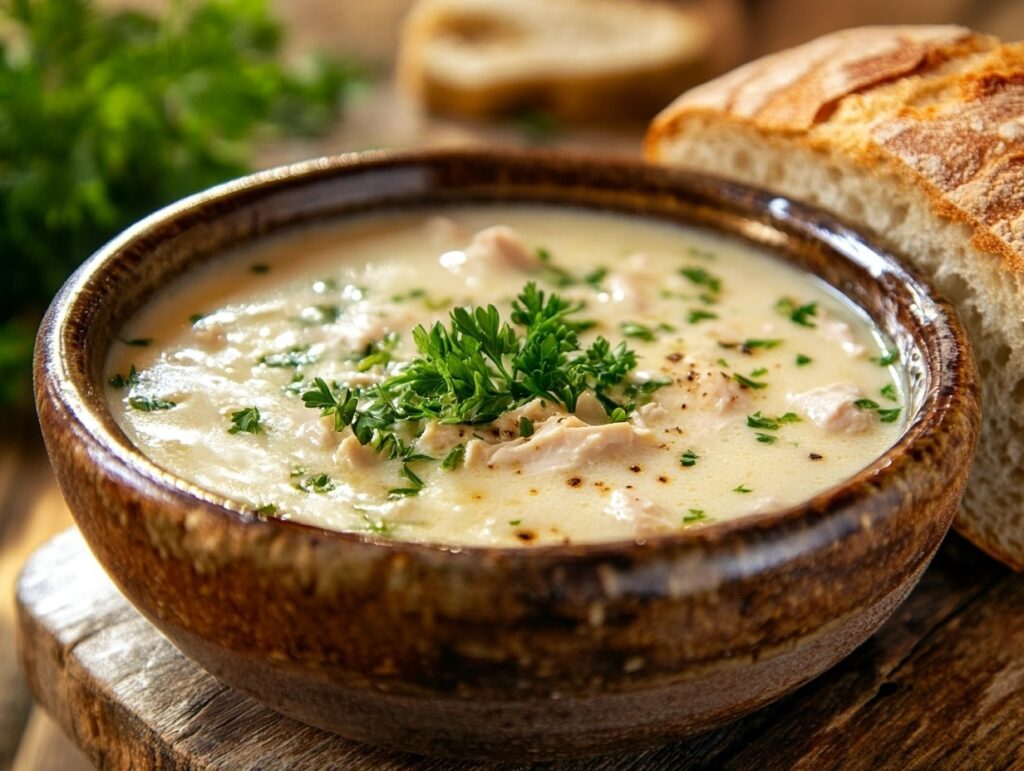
(478, 368)
(697, 315)
(741, 488)
(525, 427)
(294, 357)
(150, 403)
(595, 277)
(884, 415)
(638, 331)
(320, 483)
(890, 415)
(701, 277)
(246, 421)
(798, 314)
(125, 381)
(378, 353)
(887, 359)
(767, 438)
(267, 509)
(746, 382)
(889, 392)
(802, 360)
(688, 458)
(765, 423)
(694, 515)
(454, 457)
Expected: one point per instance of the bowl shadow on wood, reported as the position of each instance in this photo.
(548, 652)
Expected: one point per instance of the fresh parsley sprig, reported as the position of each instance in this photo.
(479, 367)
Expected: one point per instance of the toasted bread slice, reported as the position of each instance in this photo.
(579, 60)
(915, 136)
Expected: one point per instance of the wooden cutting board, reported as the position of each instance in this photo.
(941, 685)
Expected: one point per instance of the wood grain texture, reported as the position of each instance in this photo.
(31, 510)
(939, 686)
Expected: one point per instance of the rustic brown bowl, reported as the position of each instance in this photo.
(509, 653)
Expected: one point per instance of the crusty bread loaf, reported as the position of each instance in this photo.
(578, 60)
(915, 136)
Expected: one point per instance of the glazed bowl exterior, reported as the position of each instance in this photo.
(512, 653)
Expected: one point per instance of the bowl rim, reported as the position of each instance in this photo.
(55, 380)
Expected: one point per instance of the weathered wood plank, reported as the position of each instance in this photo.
(938, 687)
(31, 510)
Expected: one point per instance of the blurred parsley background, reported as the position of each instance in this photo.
(107, 116)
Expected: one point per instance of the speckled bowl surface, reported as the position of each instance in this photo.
(506, 653)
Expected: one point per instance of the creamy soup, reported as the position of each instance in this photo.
(633, 378)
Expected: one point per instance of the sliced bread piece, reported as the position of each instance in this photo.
(579, 60)
(915, 136)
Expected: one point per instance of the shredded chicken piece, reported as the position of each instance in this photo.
(507, 426)
(354, 454)
(721, 393)
(832, 407)
(590, 410)
(630, 283)
(840, 332)
(559, 443)
(500, 246)
(438, 438)
(650, 414)
(648, 518)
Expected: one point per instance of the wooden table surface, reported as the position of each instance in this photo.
(940, 686)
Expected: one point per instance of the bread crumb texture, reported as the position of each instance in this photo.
(914, 136)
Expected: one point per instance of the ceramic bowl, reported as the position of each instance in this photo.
(513, 653)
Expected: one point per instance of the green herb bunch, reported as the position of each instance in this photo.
(105, 117)
(479, 367)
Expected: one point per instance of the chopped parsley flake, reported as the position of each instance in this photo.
(865, 404)
(889, 392)
(798, 314)
(515, 522)
(294, 357)
(267, 509)
(741, 488)
(765, 423)
(125, 381)
(887, 359)
(378, 353)
(320, 483)
(150, 403)
(454, 457)
(767, 438)
(688, 458)
(802, 360)
(746, 382)
(694, 515)
(889, 415)
(525, 427)
(638, 331)
(701, 277)
(595, 277)
(246, 421)
(697, 315)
